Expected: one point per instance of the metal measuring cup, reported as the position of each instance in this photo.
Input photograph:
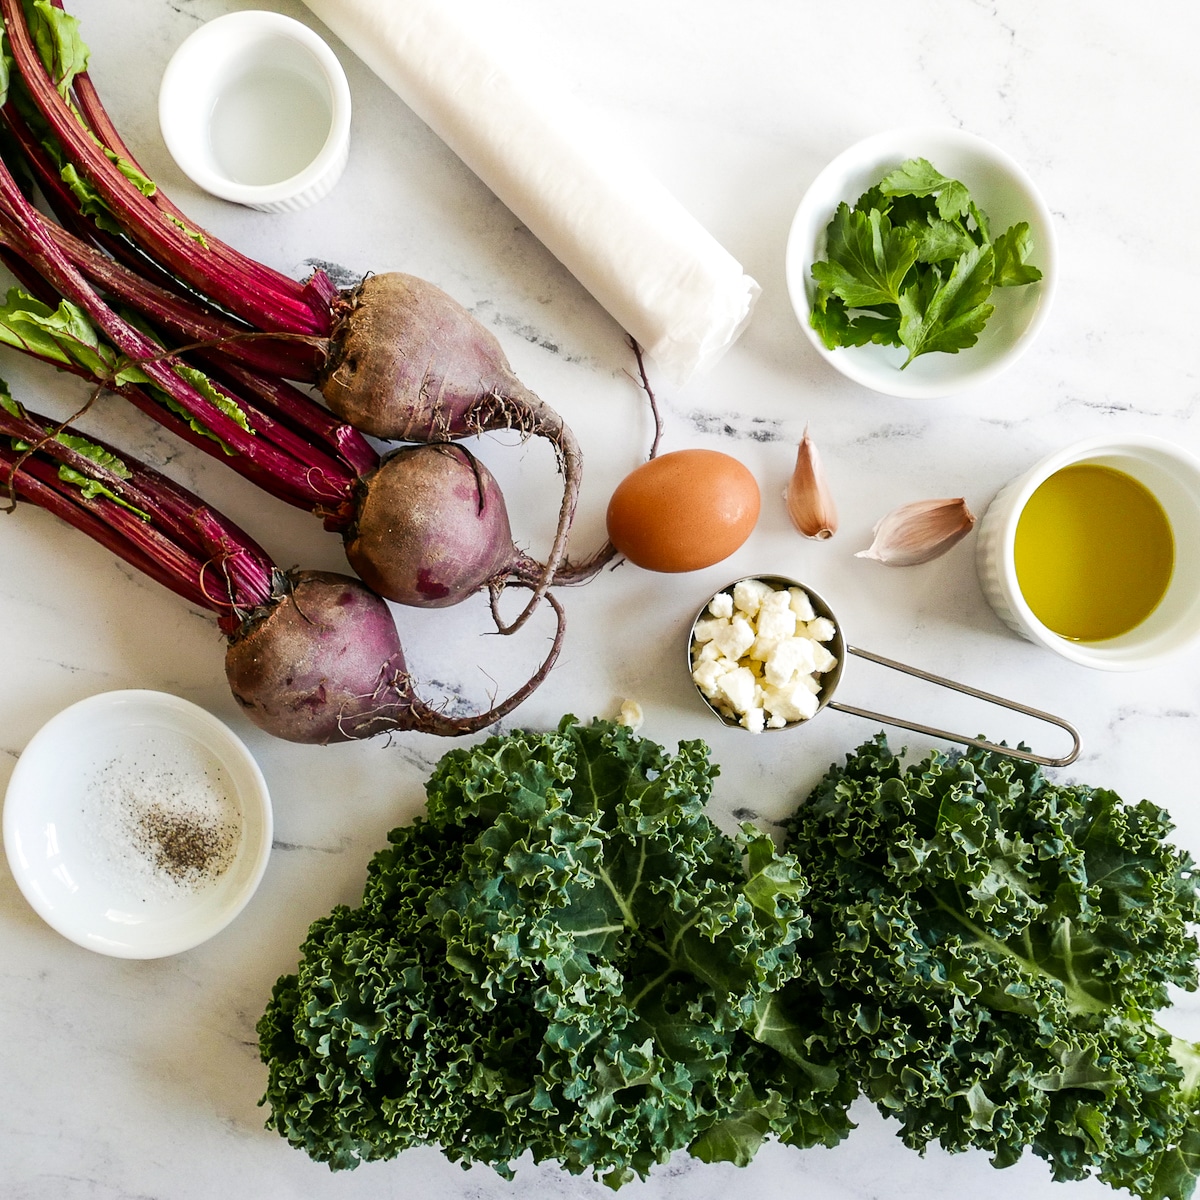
(839, 648)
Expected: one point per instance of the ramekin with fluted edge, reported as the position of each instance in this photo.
(1172, 475)
(295, 91)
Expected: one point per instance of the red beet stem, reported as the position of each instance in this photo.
(262, 296)
(153, 524)
(308, 477)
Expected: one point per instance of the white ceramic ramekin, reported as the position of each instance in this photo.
(94, 874)
(1173, 476)
(292, 100)
(1000, 187)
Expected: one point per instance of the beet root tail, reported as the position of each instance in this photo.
(427, 719)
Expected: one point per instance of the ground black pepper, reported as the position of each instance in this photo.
(164, 819)
(187, 847)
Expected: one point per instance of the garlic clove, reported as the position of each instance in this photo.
(809, 502)
(920, 531)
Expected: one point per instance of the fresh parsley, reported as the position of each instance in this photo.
(913, 265)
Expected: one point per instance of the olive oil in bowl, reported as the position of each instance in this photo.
(1093, 552)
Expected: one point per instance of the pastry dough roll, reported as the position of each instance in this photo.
(652, 266)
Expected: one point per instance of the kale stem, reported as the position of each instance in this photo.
(1078, 998)
(622, 904)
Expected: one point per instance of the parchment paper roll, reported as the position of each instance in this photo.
(649, 263)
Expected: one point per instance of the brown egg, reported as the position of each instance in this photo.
(683, 511)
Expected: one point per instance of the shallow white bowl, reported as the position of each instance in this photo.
(1172, 475)
(68, 874)
(255, 108)
(1000, 187)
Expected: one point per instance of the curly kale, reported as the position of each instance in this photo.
(993, 949)
(567, 957)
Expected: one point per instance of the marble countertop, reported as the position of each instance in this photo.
(123, 1079)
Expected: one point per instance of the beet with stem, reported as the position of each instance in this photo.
(395, 356)
(313, 656)
(322, 662)
(268, 430)
(431, 527)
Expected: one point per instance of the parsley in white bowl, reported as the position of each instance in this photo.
(921, 262)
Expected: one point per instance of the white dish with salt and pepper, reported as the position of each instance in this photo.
(137, 824)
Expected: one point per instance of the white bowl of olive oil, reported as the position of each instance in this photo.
(1094, 552)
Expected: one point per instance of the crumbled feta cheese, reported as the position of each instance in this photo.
(735, 638)
(762, 649)
(748, 595)
(708, 673)
(721, 605)
(791, 657)
(631, 715)
(754, 719)
(793, 703)
(820, 630)
(775, 601)
(823, 661)
(800, 604)
(706, 630)
(759, 655)
(737, 687)
(775, 623)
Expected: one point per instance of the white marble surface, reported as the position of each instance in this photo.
(140, 1079)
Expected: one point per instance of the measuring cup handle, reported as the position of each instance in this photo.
(988, 697)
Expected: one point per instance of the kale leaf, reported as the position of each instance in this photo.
(566, 957)
(993, 950)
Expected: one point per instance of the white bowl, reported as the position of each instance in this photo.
(255, 108)
(999, 187)
(1172, 475)
(85, 791)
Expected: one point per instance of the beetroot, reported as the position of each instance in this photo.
(321, 662)
(312, 657)
(408, 362)
(293, 672)
(395, 357)
(431, 527)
